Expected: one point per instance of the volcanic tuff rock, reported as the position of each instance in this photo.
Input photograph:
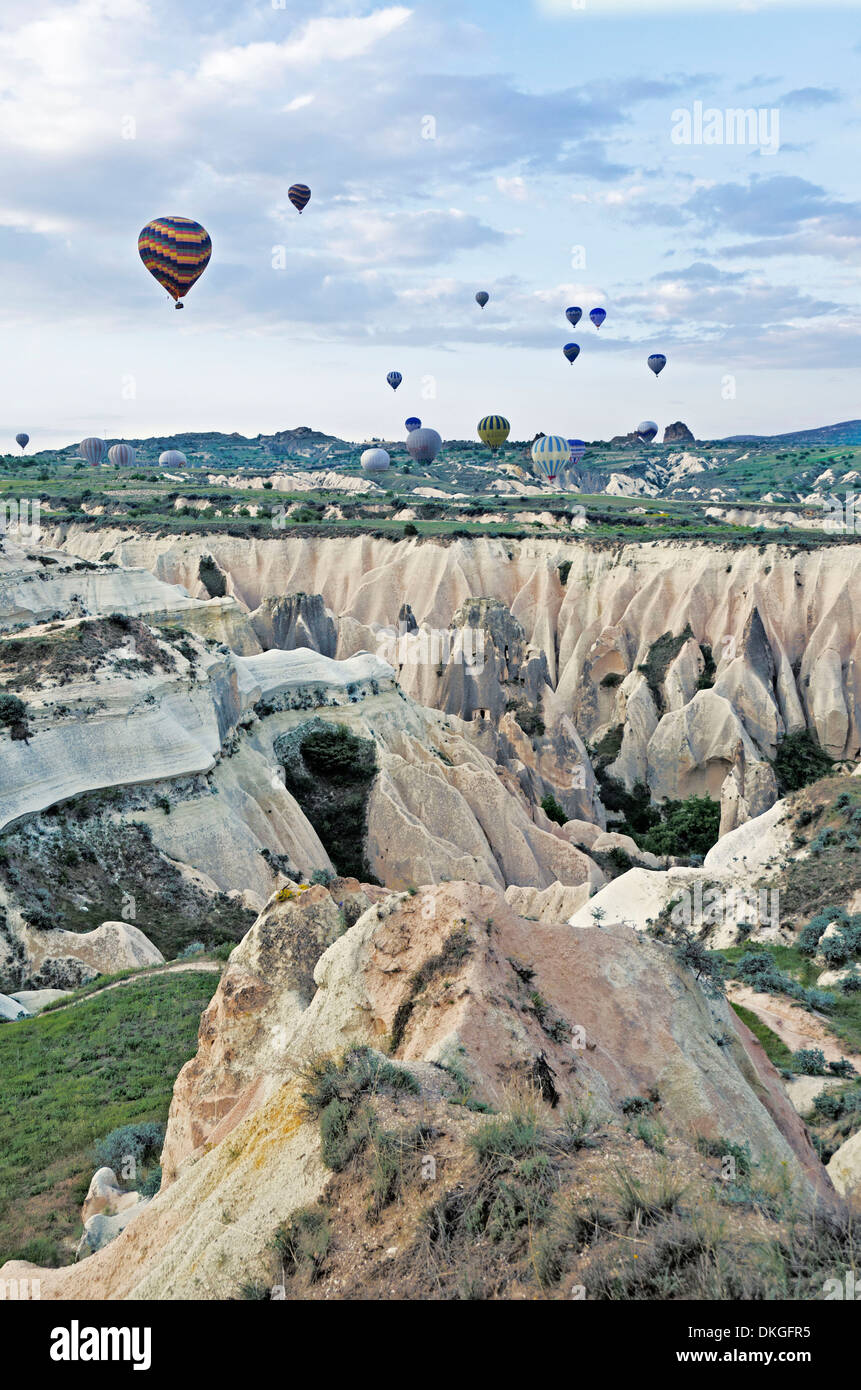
(647, 1027)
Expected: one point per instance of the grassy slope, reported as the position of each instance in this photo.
(71, 1077)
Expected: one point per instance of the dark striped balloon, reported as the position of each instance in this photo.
(299, 195)
(121, 455)
(394, 379)
(22, 439)
(93, 450)
(176, 252)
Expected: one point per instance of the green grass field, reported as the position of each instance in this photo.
(69, 1078)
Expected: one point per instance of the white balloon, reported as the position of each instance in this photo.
(375, 461)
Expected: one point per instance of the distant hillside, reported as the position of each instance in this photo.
(847, 432)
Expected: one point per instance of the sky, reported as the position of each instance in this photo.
(551, 152)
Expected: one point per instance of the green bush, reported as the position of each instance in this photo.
(687, 827)
(551, 808)
(799, 761)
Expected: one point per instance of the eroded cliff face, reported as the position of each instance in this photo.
(447, 980)
(695, 660)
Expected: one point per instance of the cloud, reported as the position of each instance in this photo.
(326, 40)
(809, 98)
(515, 189)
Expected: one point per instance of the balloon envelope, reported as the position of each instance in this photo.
(657, 362)
(172, 458)
(647, 429)
(394, 379)
(375, 461)
(572, 351)
(413, 423)
(576, 450)
(598, 316)
(121, 455)
(423, 445)
(92, 449)
(482, 297)
(549, 454)
(176, 252)
(493, 430)
(22, 439)
(299, 195)
(574, 315)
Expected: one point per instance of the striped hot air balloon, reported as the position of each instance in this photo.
(493, 430)
(656, 363)
(394, 379)
(121, 455)
(375, 461)
(597, 316)
(550, 454)
(176, 252)
(574, 315)
(576, 450)
(572, 352)
(22, 439)
(93, 450)
(423, 445)
(172, 458)
(481, 298)
(299, 195)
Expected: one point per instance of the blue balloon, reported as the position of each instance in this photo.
(657, 362)
(482, 297)
(574, 315)
(394, 379)
(413, 423)
(572, 351)
(598, 316)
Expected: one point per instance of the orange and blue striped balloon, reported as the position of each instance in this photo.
(176, 252)
(299, 195)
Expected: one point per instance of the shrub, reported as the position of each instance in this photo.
(12, 710)
(140, 1143)
(687, 827)
(551, 808)
(810, 1061)
(322, 877)
(799, 761)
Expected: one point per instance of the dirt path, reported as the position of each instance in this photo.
(175, 968)
(792, 1024)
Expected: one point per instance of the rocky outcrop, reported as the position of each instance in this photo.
(619, 1017)
(678, 432)
(296, 620)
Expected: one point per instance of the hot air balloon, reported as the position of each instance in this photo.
(176, 251)
(413, 423)
(493, 430)
(657, 362)
(121, 455)
(550, 453)
(423, 445)
(22, 439)
(394, 379)
(93, 450)
(576, 450)
(572, 351)
(172, 458)
(646, 430)
(574, 315)
(375, 461)
(482, 297)
(299, 195)
(598, 316)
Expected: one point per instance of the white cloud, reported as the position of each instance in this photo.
(597, 8)
(515, 189)
(321, 40)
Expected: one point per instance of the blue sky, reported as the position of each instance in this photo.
(552, 177)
